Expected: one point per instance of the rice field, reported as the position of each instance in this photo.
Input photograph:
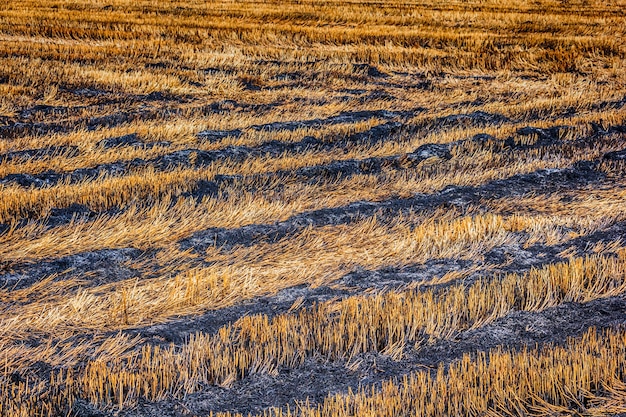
(306, 208)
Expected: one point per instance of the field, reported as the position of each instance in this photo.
(312, 208)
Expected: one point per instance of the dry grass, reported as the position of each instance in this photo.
(74, 74)
(383, 323)
(584, 377)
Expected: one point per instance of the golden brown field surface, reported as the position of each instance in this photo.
(312, 208)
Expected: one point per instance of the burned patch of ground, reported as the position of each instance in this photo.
(96, 268)
(318, 378)
(385, 177)
(512, 258)
(544, 181)
(48, 152)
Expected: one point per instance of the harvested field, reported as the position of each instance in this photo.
(307, 208)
